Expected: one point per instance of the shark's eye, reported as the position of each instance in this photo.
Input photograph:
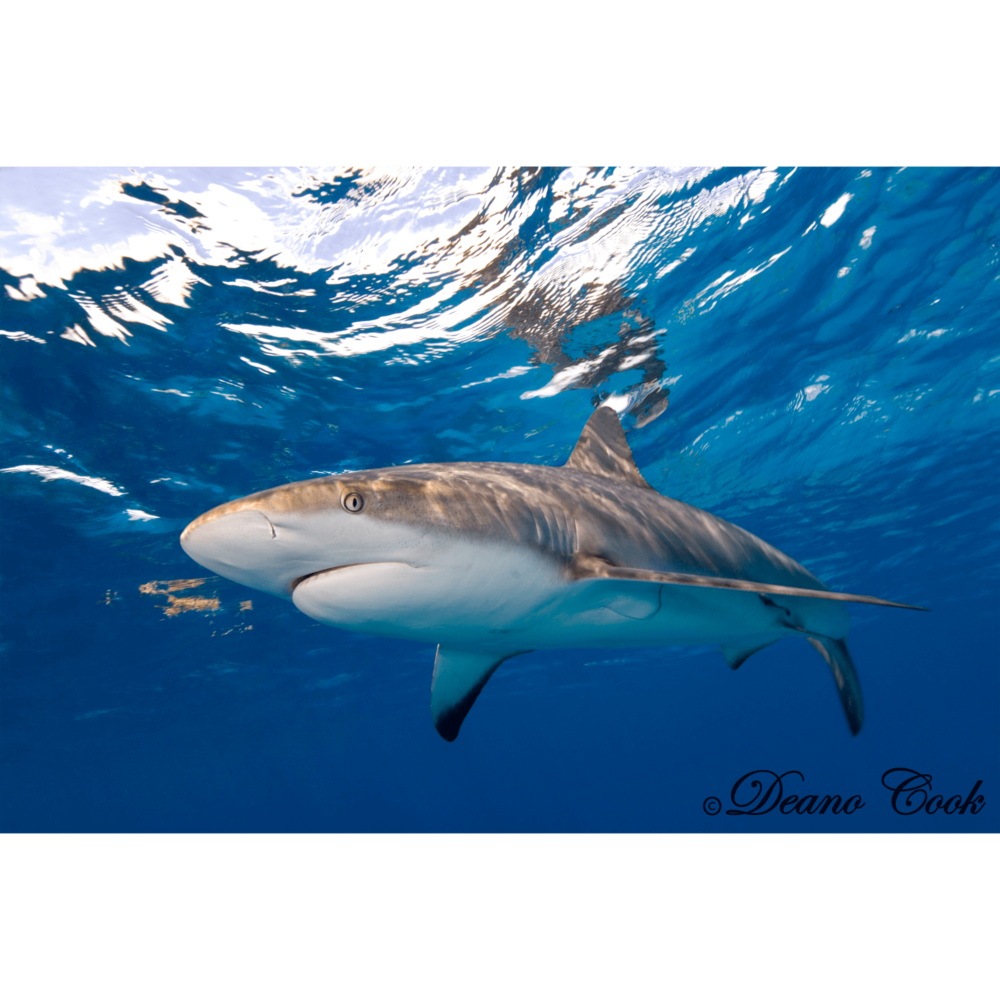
(353, 502)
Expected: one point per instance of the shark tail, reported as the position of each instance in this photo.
(838, 657)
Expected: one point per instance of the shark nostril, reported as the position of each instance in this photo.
(242, 545)
(221, 523)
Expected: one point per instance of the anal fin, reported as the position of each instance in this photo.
(736, 655)
(459, 676)
(837, 656)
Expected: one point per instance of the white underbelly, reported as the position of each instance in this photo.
(618, 614)
(526, 603)
(457, 602)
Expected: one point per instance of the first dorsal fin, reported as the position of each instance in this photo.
(603, 451)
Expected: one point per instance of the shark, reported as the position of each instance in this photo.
(491, 560)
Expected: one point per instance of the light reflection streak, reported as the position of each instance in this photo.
(20, 335)
(26, 290)
(172, 282)
(835, 211)
(100, 320)
(77, 334)
(141, 515)
(49, 473)
(129, 309)
(730, 286)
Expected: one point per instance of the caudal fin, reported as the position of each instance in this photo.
(836, 654)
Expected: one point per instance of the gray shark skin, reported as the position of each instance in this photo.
(490, 560)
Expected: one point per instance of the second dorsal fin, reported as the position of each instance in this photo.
(603, 451)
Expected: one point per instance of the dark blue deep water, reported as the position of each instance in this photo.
(812, 354)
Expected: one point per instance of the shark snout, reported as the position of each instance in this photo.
(241, 545)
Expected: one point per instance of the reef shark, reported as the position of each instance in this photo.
(491, 560)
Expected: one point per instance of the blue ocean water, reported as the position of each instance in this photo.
(812, 354)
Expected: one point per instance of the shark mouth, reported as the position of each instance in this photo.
(331, 569)
(319, 572)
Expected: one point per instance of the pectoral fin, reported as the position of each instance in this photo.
(584, 567)
(459, 676)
